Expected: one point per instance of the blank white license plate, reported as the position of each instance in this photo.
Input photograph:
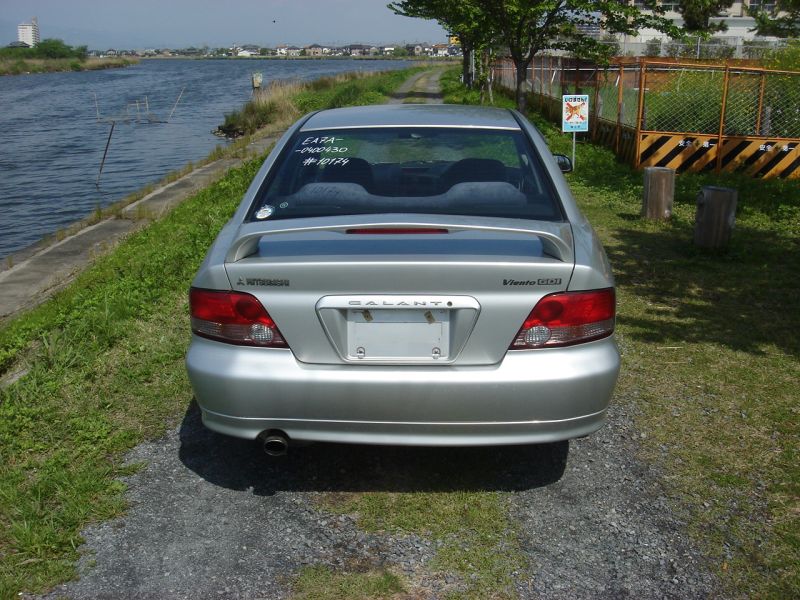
(398, 334)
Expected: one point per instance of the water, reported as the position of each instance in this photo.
(51, 144)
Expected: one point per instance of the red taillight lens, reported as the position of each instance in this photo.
(568, 318)
(233, 317)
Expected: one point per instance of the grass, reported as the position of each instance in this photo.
(282, 102)
(474, 537)
(321, 583)
(710, 359)
(102, 365)
(20, 66)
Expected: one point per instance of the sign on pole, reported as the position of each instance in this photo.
(574, 116)
(575, 113)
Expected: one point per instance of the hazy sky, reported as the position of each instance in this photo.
(180, 23)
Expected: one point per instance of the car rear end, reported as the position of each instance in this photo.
(444, 291)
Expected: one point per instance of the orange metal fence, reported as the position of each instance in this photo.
(688, 117)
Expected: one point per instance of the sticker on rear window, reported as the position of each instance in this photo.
(265, 212)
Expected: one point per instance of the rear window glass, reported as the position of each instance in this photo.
(477, 172)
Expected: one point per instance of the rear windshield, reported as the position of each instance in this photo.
(476, 172)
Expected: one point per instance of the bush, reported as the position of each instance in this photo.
(786, 58)
(716, 49)
(653, 48)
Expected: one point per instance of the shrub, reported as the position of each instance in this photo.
(653, 47)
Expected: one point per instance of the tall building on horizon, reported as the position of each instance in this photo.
(29, 32)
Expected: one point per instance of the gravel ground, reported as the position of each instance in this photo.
(212, 517)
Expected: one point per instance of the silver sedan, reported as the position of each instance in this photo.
(407, 274)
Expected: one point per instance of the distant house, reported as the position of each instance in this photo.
(293, 51)
(441, 50)
(18, 45)
(387, 50)
(313, 50)
(281, 49)
(415, 49)
(357, 50)
(110, 52)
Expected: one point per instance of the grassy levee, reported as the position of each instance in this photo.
(103, 364)
(291, 99)
(20, 66)
(711, 356)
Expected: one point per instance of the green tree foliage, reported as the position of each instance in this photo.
(48, 48)
(785, 23)
(697, 15)
(467, 19)
(528, 27)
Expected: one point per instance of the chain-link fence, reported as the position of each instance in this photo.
(717, 100)
(660, 111)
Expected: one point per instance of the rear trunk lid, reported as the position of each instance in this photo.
(370, 292)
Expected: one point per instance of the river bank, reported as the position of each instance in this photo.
(19, 66)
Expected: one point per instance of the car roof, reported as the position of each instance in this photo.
(421, 115)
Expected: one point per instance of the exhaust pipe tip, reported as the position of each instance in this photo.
(275, 443)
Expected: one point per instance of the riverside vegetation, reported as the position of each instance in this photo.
(706, 355)
(51, 55)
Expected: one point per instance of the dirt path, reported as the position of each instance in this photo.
(212, 517)
(422, 89)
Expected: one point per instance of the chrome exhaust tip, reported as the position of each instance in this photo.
(275, 443)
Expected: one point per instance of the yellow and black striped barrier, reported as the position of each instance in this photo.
(690, 153)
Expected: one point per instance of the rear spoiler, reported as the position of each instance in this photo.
(556, 238)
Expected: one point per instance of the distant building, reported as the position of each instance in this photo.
(18, 45)
(737, 18)
(314, 50)
(29, 32)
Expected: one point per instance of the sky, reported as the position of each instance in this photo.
(131, 24)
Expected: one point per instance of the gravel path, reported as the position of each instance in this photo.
(213, 517)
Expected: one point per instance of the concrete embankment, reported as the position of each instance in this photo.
(36, 274)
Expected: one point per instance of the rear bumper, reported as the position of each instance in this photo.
(530, 397)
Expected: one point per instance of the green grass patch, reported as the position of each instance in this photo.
(284, 102)
(476, 540)
(321, 583)
(103, 364)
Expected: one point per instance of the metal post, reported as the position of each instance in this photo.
(618, 131)
(725, 84)
(760, 102)
(105, 152)
(573, 149)
(176, 104)
(640, 111)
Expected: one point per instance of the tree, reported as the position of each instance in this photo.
(784, 23)
(697, 15)
(465, 18)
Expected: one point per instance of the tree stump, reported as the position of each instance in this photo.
(659, 192)
(716, 216)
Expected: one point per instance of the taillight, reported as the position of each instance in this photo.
(233, 317)
(568, 318)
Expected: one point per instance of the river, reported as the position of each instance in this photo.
(51, 143)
